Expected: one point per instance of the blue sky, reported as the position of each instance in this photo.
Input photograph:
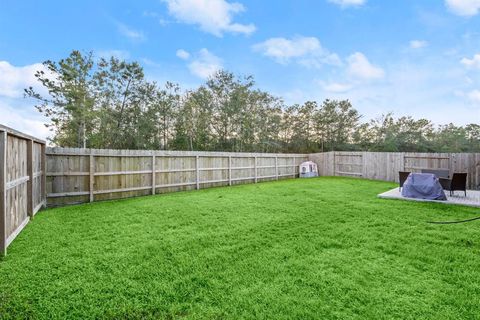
(418, 58)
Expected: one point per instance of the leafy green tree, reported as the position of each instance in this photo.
(70, 101)
(335, 124)
(451, 138)
(389, 134)
(193, 129)
(108, 103)
(266, 115)
(472, 131)
(228, 97)
(118, 85)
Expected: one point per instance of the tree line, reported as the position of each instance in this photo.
(108, 103)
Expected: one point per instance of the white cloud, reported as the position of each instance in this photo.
(348, 3)
(16, 111)
(337, 87)
(151, 63)
(155, 15)
(213, 16)
(283, 50)
(473, 63)
(24, 119)
(182, 54)
(305, 50)
(465, 8)
(474, 96)
(418, 44)
(410, 87)
(205, 64)
(359, 67)
(14, 79)
(130, 33)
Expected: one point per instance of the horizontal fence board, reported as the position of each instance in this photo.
(38, 207)
(21, 135)
(174, 170)
(386, 165)
(17, 231)
(119, 173)
(121, 190)
(350, 173)
(75, 175)
(17, 182)
(420, 168)
(60, 174)
(175, 185)
(132, 172)
(67, 194)
(22, 173)
(33, 176)
(428, 157)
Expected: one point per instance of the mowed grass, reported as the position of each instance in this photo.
(324, 248)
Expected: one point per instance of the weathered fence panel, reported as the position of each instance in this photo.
(386, 165)
(86, 175)
(32, 175)
(22, 177)
(467, 162)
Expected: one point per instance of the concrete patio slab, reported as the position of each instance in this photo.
(472, 199)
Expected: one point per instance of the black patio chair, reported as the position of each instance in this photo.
(458, 182)
(402, 177)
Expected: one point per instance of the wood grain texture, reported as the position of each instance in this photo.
(3, 192)
(21, 180)
(30, 198)
(129, 173)
(38, 180)
(386, 165)
(31, 174)
(17, 175)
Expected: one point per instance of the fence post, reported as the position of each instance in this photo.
(3, 193)
(451, 157)
(276, 167)
(294, 166)
(229, 170)
(154, 175)
(91, 175)
(334, 164)
(30, 204)
(43, 179)
(364, 165)
(197, 176)
(255, 166)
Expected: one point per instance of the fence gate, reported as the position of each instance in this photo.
(386, 165)
(348, 164)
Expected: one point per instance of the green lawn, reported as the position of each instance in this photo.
(324, 248)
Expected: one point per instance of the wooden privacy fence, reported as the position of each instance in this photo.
(386, 165)
(22, 182)
(32, 176)
(87, 175)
